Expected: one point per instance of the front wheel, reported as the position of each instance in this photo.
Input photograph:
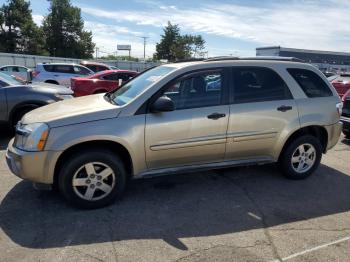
(93, 179)
(301, 157)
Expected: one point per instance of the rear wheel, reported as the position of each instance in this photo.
(301, 157)
(92, 179)
(51, 82)
(347, 134)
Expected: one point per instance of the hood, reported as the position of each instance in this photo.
(51, 88)
(73, 111)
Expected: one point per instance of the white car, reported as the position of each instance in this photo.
(59, 73)
(19, 72)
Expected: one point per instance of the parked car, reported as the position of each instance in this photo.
(22, 73)
(341, 83)
(346, 114)
(97, 67)
(166, 121)
(59, 73)
(102, 82)
(17, 99)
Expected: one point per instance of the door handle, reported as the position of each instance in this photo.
(284, 108)
(216, 116)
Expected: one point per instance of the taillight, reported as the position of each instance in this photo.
(35, 73)
(340, 108)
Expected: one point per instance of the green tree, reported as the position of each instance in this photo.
(18, 32)
(173, 46)
(64, 31)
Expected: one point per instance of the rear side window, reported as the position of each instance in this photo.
(311, 83)
(68, 69)
(48, 68)
(258, 84)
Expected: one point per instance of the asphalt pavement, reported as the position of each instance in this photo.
(237, 214)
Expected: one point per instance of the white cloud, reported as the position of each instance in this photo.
(107, 37)
(299, 23)
(38, 19)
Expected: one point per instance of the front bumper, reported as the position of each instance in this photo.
(33, 166)
(346, 124)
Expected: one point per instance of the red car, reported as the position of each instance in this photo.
(96, 66)
(341, 83)
(100, 82)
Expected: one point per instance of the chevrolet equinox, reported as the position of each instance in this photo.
(180, 117)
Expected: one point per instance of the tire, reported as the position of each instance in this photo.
(346, 134)
(88, 193)
(20, 113)
(52, 82)
(294, 164)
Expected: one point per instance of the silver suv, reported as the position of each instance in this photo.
(59, 73)
(178, 118)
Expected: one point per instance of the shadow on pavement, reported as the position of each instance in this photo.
(174, 207)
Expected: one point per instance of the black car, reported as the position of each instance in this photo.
(17, 98)
(346, 115)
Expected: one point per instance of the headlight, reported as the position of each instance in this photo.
(31, 137)
(63, 97)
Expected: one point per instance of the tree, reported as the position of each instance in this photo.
(64, 31)
(174, 46)
(19, 33)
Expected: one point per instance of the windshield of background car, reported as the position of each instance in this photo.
(136, 86)
(9, 80)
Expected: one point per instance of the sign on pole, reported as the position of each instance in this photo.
(124, 47)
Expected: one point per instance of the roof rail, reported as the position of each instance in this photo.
(221, 58)
(255, 58)
(189, 60)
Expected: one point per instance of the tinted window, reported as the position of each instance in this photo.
(92, 67)
(258, 85)
(22, 69)
(310, 82)
(111, 77)
(68, 69)
(124, 76)
(49, 68)
(201, 90)
(79, 70)
(4, 69)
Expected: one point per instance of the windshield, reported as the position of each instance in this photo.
(136, 86)
(9, 80)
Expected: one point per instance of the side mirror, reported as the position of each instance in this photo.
(163, 104)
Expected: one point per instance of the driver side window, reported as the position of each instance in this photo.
(200, 90)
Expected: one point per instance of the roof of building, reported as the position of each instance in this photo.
(303, 50)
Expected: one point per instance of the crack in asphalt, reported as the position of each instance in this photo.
(261, 214)
(257, 243)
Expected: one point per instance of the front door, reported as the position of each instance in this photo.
(195, 132)
(262, 110)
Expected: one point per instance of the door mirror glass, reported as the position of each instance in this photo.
(163, 104)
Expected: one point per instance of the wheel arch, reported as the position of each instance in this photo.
(24, 105)
(112, 146)
(319, 132)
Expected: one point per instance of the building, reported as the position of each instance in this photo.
(324, 60)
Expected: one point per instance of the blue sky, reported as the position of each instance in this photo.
(229, 27)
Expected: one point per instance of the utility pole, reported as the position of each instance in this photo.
(97, 52)
(144, 46)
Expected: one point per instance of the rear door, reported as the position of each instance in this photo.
(195, 132)
(63, 73)
(262, 109)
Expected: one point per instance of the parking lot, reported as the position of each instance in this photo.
(245, 214)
